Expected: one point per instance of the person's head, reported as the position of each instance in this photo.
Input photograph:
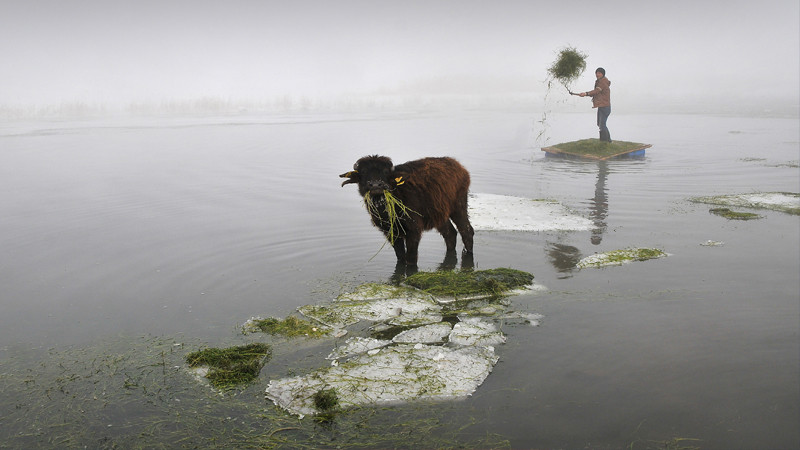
(600, 72)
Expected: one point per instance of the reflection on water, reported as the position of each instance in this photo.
(563, 257)
(599, 209)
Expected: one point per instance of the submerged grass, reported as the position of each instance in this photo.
(135, 393)
(233, 366)
(465, 283)
(733, 215)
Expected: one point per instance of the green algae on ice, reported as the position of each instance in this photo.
(787, 202)
(619, 257)
(288, 327)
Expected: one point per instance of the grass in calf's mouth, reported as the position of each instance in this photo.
(395, 209)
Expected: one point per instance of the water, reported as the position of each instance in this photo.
(185, 227)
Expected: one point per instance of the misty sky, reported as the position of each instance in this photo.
(112, 51)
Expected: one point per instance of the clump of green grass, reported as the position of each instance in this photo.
(289, 327)
(568, 67)
(394, 209)
(232, 366)
(733, 215)
(492, 282)
(326, 400)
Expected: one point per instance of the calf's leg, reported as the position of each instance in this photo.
(449, 235)
(412, 246)
(461, 219)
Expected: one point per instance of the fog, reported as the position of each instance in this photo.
(685, 54)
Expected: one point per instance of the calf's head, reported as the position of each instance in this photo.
(373, 174)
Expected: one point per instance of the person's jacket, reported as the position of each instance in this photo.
(601, 94)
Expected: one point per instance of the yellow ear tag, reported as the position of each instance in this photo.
(399, 180)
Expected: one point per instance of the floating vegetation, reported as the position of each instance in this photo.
(733, 215)
(619, 257)
(595, 148)
(491, 212)
(787, 202)
(469, 283)
(710, 243)
(233, 366)
(394, 208)
(289, 327)
(569, 65)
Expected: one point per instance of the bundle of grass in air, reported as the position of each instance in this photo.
(568, 67)
(395, 209)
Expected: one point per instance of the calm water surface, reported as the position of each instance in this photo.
(185, 227)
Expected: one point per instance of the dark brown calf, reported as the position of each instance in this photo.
(433, 189)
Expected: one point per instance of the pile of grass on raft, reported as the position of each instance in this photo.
(395, 209)
(568, 67)
(232, 366)
(596, 147)
(289, 327)
(458, 284)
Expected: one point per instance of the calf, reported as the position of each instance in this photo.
(433, 191)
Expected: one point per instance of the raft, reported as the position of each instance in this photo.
(596, 149)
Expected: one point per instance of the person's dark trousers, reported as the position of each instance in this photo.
(602, 117)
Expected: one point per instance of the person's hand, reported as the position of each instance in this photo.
(582, 94)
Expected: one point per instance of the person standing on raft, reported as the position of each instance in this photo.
(601, 99)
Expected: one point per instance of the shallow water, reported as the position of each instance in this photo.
(189, 226)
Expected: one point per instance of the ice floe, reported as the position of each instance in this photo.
(787, 202)
(619, 257)
(424, 358)
(399, 373)
(426, 334)
(491, 212)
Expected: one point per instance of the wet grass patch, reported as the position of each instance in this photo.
(470, 283)
(233, 366)
(733, 215)
(289, 327)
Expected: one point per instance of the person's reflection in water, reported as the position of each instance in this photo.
(599, 208)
